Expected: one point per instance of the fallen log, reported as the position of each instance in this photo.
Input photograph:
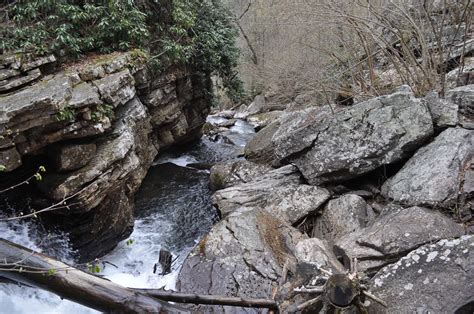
(209, 299)
(23, 265)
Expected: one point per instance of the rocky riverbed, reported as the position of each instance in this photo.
(388, 182)
(173, 211)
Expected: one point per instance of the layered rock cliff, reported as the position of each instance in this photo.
(96, 126)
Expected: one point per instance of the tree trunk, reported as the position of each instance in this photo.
(22, 265)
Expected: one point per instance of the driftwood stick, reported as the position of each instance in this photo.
(317, 290)
(208, 299)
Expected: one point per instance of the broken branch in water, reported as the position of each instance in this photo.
(25, 266)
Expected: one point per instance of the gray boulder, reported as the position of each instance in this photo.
(395, 233)
(255, 107)
(443, 111)
(436, 174)
(327, 146)
(227, 174)
(243, 255)
(261, 120)
(342, 216)
(435, 278)
(463, 96)
(316, 252)
(279, 191)
(259, 148)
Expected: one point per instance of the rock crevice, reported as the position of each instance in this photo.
(98, 125)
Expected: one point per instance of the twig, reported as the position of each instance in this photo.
(309, 290)
(208, 299)
(308, 303)
(373, 297)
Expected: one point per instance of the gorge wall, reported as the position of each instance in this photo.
(97, 126)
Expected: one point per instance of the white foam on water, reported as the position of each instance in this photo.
(182, 161)
(215, 120)
(242, 127)
(21, 299)
(135, 262)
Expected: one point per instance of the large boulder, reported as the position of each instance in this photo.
(342, 216)
(260, 148)
(261, 120)
(279, 191)
(435, 278)
(243, 255)
(227, 174)
(438, 174)
(315, 253)
(334, 146)
(395, 233)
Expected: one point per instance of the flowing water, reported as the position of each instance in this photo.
(173, 211)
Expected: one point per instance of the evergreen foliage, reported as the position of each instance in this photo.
(200, 32)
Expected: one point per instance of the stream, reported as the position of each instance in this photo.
(173, 211)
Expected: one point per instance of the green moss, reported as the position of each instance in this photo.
(217, 181)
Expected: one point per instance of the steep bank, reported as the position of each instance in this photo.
(97, 127)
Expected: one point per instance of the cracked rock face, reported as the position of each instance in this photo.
(396, 232)
(435, 278)
(243, 255)
(463, 96)
(278, 191)
(342, 216)
(439, 174)
(315, 252)
(328, 147)
(443, 111)
(91, 121)
(228, 174)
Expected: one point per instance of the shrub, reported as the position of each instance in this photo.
(169, 31)
(66, 27)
